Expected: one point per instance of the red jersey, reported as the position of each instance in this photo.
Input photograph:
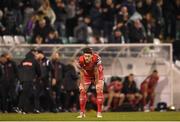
(152, 80)
(116, 86)
(89, 68)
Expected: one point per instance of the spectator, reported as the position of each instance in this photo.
(71, 20)
(81, 31)
(130, 4)
(96, 17)
(28, 12)
(38, 40)
(117, 37)
(169, 19)
(48, 11)
(42, 28)
(108, 16)
(28, 30)
(149, 25)
(60, 12)
(53, 38)
(137, 33)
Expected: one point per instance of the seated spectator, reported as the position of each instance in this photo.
(117, 37)
(131, 91)
(137, 32)
(53, 38)
(115, 96)
(42, 28)
(81, 31)
(148, 87)
(38, 40)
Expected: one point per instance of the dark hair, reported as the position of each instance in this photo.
(87, 50)
(40, 51)
(155, 71)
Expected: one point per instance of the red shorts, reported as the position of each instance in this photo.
(90, 78)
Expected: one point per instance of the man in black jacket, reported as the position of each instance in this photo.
(44, 82)
(11, 76)
(57, 76)
(29, 72)
(71, 87)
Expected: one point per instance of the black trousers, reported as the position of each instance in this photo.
(29, 97)
(8, 96)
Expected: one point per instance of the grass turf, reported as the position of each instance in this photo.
(91, 116)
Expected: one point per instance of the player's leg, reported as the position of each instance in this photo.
(110, 98)
(144, 91)
(122, 97)
(131, 98)
(152, 97)
(100, 97)
(82, 99)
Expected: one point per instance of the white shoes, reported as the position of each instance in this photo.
(99, 115)
(82, 115)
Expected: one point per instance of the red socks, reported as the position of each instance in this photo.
(100, 99)
(83, 100)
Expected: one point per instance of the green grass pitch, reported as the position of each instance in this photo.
(91, 116)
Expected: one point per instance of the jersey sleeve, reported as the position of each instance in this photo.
(97, 59)
(79, 62)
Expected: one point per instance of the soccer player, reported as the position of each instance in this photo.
(148, 90)
(91, 71)
(115, 96)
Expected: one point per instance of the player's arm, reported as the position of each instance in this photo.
(81, 71)
(98, 69)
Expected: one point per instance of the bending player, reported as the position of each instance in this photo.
(91, 71)
(148, 87)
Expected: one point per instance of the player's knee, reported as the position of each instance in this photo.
(99, 90)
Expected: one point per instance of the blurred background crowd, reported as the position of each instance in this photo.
(91, 21)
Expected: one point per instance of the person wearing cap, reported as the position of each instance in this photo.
(91, 71)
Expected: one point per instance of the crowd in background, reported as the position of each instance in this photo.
(91, 21)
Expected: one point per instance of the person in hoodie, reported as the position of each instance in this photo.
(29, 72)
